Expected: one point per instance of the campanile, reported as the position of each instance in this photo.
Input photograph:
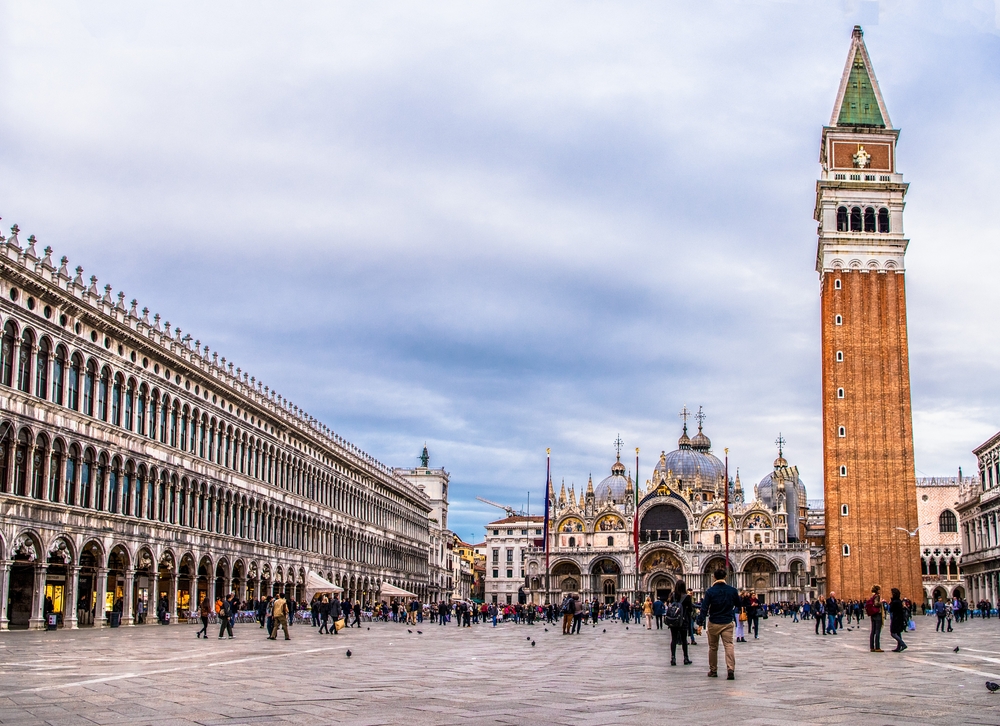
(868, 474)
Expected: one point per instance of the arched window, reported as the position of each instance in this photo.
(174, 415)
(7, 354)
(855, 219)
(933, 569)
(86, 474)
(116, 400)
(21, 463)
(129, 404)
(89, 381)
(883, 220)
(572, 541)
(717, 539)
(128, 476)
(73, 384)
(114, 476)
(869, 219)
(947, 522)
(140, 411)
(842, 219)
(58, 375)
(923, 566)
(42, 369)
(140, 491)
(39, 458)
(72, 465)
(55, 470)
(611, 541)
(952, 568)
(102, 393)
(24, 361)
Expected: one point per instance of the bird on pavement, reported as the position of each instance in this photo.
(409, 631)
(348, 654)
(956, 649)
(604, 630)
(528, 638)
(420, 632)
(992, 687)
(532, 644)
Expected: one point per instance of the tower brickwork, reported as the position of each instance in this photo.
(868, 469)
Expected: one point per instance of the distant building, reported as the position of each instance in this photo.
(978, 515)
(506, 546)
(434, 483)
(940, 541)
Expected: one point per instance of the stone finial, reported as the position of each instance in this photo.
(132, 311)
(78, 280)
(215, 358)
(30, 252)
(121, 302)
(63, 272)
(47, 260)
(93, 286)
(238, 371)
(145, 315)
(177, 333)
(107, 296)
(12, 240)
(156, 322)
(230, 367)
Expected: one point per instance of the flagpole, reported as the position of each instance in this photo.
(548, 499)
(635, 522)
(727, 512)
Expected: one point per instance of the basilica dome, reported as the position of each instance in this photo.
(614, 486)
(765, 492)
(692, 458)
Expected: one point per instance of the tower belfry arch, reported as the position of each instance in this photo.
(867, 421)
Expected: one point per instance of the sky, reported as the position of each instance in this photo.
(499, 227)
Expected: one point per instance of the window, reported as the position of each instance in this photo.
(510, 573)
(843, 510)
(842, 219)
(843, 471)
(883, 220)
(24, 361)
(840, 356)
(855, 219)
(836, 284)
(538, 531)
(869, 219)
(116, 401)
(7, 353)
(42, 369)
(496, 555)
(717, 539)
(102, 394)
(510, 555)
(847, 550)
(58, 374)
(129, 404)
(496, 532)
(496, 574)
(842, 431)
(88, 388)
(611, 541)
(947, 522)
(838, 320)
(840, 393)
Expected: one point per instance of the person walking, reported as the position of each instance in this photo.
(225, 618)
(753, 615)
(658, 610)
(820, 616)
(577, 614)
(949, 614)
(739, 620)
(323, 614)
(647, 611)
(678, 615)
(280, 614)
(717, 607)
(832, 611)
(873, 608)
(567, 613)
(336, 611)
(203, 612)
(939, 611)
(897, 621)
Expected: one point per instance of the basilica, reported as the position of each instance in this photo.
(613, 540)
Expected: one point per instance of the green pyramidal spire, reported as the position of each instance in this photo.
(860, 104)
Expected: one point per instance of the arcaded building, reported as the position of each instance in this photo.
(138, 467)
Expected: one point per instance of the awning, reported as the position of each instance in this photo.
(388, 590)
(315, 585)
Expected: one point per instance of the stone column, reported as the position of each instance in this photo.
(153, 606)
(101, 575)
(193, 586)
(37, 620)
(4, 589)
(70, 598)
(172, 598)
(127, 597)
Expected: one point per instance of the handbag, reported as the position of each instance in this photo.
(911, 626)
(339, 625)
(743, 616)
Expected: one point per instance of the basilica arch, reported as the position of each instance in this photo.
(664, 522)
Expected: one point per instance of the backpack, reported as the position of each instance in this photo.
(674, 615)
(872, 608)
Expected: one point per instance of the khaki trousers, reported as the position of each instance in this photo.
(716, 631)
(567, 623)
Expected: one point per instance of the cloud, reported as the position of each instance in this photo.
(504, 227)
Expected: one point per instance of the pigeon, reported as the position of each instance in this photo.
(369, 628)
(604, 630)
(528, 638)
(992, 687)
(956, 649)
(626, 627)
(546, 630)
(532, 644)
(409, 631)
(348, 653)
(420, 632)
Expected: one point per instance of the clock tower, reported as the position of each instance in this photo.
(868, 471)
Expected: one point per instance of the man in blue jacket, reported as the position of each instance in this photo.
(718, 606)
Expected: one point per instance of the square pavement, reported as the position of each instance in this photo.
(480, 675)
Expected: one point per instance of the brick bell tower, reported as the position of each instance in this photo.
(868, 475)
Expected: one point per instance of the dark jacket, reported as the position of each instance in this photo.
(897, 616)
(658, 607)
(719, 602)
(335, 609)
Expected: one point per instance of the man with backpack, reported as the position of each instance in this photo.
(567, 614)
(225, 612)
(939, 611)
(658, 610)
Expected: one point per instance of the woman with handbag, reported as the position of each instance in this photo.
(741, 619)
(203, 611)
